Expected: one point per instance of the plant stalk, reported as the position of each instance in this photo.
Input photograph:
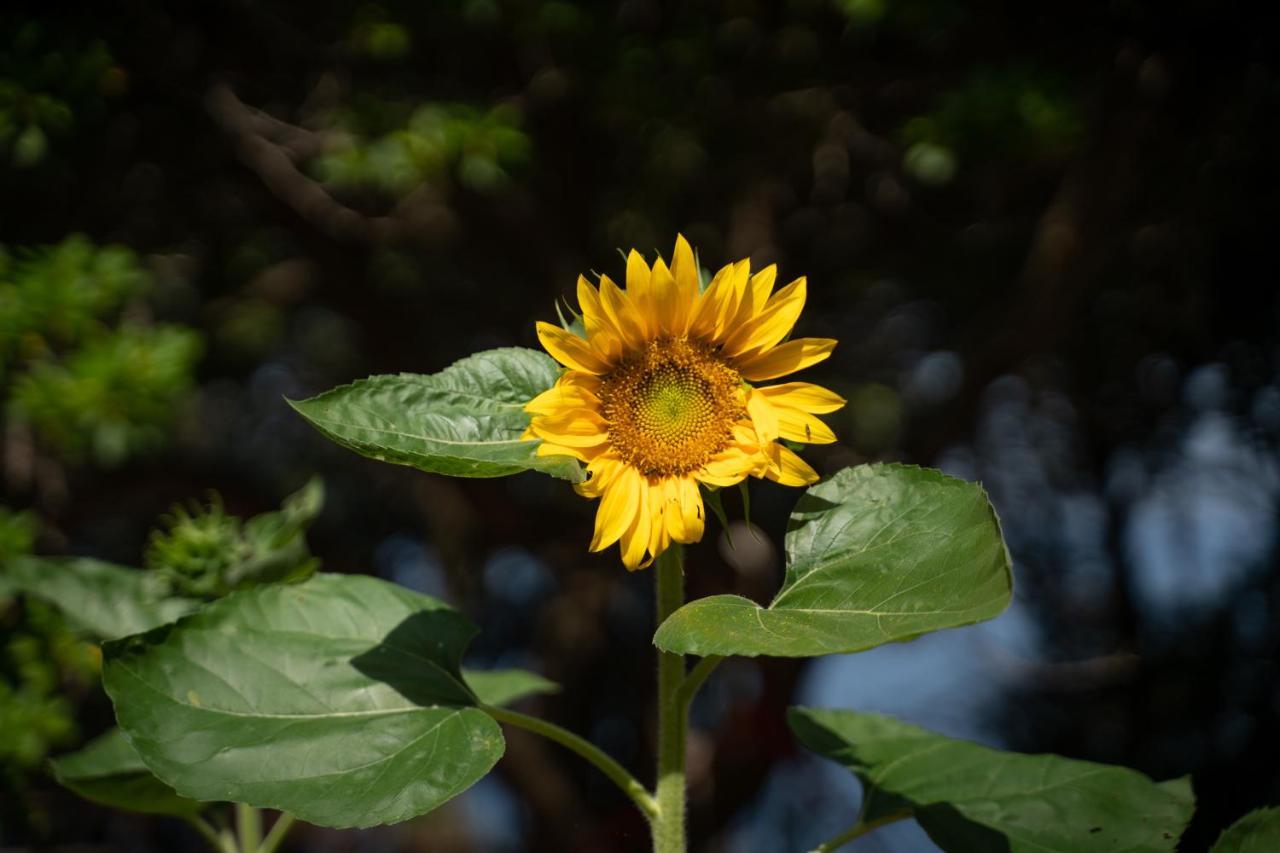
(249, 826)
(859, 829)
(279, 830)
(583, 747)
(668, 827)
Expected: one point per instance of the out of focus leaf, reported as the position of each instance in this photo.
(504, 686)
(1256, 832)
(102, 600)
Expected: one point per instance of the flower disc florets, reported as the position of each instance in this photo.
(671, 406)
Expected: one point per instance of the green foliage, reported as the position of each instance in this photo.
(465, 421)
(996, 114)
(876, 554)
(377, 36)
(109, 771)
(40, 657)
(112, 398)
(437, 142)
(1256, 832)
(88, 390)
(99, 600)
(56, 295)
(204, 553)
(339, 699)
(17, 536)
(969, 797)
(44, 84)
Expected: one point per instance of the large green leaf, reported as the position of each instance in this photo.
(1256, 832)
(504, 686)
(877, 554)
(970, 797)
(465, 421)
(109, 771)
(339, 700)
(103, 600)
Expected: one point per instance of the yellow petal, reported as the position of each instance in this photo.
(795, 425)
(763, 416)
(685, 268)
(635, 540)
(691, 509)
(668, 305)
(570, 350)
(788, 469)
(601, 471)
(623, 313)
(601, 331)
(755, 297)
(637, 278)
(659, 539)
(576, 428)
(618, 509)
(772, 324)
(549, 449)
(711, 304)
(804, 396)
(561, 398)
(785, 358)
(739, 285)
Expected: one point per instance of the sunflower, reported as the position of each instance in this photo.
(659, 395)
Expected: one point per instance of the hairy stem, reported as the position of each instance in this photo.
(583, 747)
(859, 829)
(668, 828)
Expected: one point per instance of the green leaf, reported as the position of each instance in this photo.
(877, 554)
(109, 771)
(970, 797)
(100, 599)
(1256, 832)
(276, 541)
(465, 421)
(338, 699)
(504, 686)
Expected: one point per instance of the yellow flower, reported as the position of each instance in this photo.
(659, 396)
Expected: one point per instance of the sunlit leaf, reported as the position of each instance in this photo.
(339, 700)
(465, 421)
(109, 771)
(970, 797)
(877, 554)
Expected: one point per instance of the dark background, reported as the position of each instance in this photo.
(1045, 234)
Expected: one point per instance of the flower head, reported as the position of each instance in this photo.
(660, 395)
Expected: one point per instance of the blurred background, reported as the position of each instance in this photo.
(1045, 234)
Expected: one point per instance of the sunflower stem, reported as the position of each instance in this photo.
(859, 829)
(249, 824)
(615, 772)
(278, 831)
(668, 827)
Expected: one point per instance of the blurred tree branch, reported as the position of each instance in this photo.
(273, 148)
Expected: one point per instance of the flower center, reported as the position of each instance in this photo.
(671, 406)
